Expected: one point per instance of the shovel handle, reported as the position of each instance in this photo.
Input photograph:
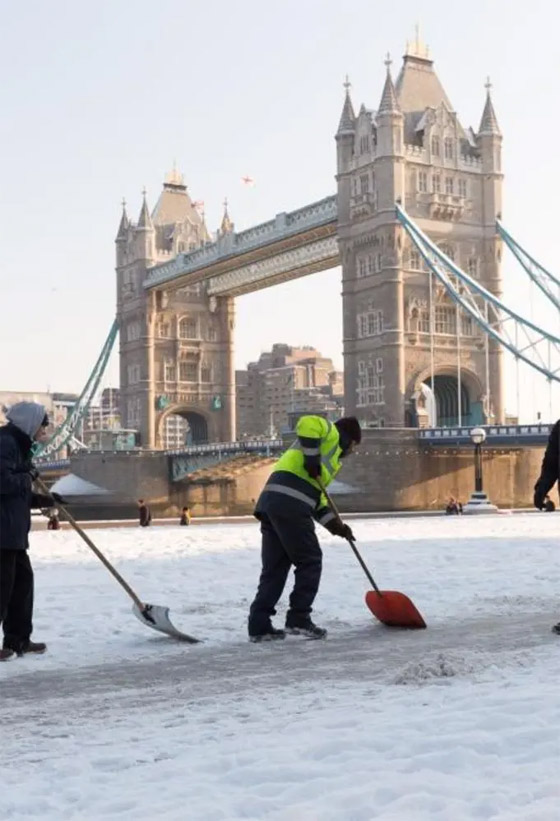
(351, 542)
(92, 547)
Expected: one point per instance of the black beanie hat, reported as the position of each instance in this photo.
(351, 427)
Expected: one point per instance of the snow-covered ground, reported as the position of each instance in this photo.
(460, 721)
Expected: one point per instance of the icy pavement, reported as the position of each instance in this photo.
(456, 722)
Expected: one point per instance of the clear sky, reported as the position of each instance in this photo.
(99, 99)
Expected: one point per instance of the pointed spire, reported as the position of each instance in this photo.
(227, 225)
(145, 220)
(389, 103)
(489, 121)
(347, 118)
(124, 223)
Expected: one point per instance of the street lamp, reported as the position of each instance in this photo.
(478, 435)
(479, 501)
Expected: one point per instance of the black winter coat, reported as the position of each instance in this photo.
(16, 493)
(550, 470)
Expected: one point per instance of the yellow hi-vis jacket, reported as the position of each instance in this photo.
(290, 485)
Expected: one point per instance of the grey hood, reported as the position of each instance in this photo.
(27, 416)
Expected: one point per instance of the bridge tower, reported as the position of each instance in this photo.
(410, 357)
(176, 347)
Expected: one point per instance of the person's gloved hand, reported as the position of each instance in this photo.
(312, 464)
(538, 498)
(338, 528)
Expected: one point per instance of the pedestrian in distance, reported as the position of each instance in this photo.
(27, 423)
(289, 504)
(185, 516)
(144, 514)
(54, 522)
(550, 473)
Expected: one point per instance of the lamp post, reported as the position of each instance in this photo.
(478, 436)
(479, 501)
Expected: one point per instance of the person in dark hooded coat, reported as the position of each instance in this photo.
(27, 423)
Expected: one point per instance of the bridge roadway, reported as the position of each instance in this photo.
(289, 246)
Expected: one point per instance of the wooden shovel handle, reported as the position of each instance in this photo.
(91, 546)
(351, 542)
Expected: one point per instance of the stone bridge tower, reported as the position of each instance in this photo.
(403, 337)
(176, 347)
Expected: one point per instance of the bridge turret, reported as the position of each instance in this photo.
(389, 161)
(145, 232)
(345, 137)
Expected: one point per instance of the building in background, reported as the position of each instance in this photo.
(286, 381)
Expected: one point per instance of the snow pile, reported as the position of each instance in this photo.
(116, 722)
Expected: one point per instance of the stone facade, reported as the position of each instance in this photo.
(176, 347)
(414, 150)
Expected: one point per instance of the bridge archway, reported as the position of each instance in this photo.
(181, 427)
(441, 408)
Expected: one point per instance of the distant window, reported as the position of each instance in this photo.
(449, 185)
(422, 181)
(364, 144)
(436, 184)
(364, 183)
(435, 146)
(414, 260)
(462, 188)
(472, 267)
(164, 329)
(188, 371)
(448, 148)
(188, 328)
(205, 374)
(170, 372)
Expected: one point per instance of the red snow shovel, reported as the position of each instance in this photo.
(155, 616)
(388, 606)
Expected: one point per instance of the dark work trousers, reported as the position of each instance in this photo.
(286, 541)
(16, 597)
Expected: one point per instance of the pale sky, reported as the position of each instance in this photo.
(99, 99)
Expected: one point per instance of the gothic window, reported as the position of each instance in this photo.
(448, 148)
(163, 329)
(206, 373)
(370, 323)
(415, 260)
(435, 146)
(133, 373)
(133, 331)
(212, 333)
(472, 267)
(377, 263)
(362, 267)
(188, 370)
(445, 320)
(448, 251)
(462, 188)
(379, 365)
(422, 181)
(424, 322)
(466, 325)
(169, 372)
(364, 144)
(436, 184)
(364, 183)
(188, 328)
(449, 185)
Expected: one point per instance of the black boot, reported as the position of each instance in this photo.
(29, 646)
(303, 626)
(270, 634)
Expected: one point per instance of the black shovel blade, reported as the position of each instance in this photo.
(156, 616)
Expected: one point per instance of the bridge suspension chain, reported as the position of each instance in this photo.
(538, 274)
(515, 333)
(66, 431)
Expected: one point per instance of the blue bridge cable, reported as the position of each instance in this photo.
(67, 429)
(428, 250)
(529, 264)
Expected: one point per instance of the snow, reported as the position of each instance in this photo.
(72, 485)
(459, 721)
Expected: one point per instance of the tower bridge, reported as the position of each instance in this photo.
(410, 357)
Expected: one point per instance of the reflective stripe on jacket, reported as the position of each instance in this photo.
(317, 437)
